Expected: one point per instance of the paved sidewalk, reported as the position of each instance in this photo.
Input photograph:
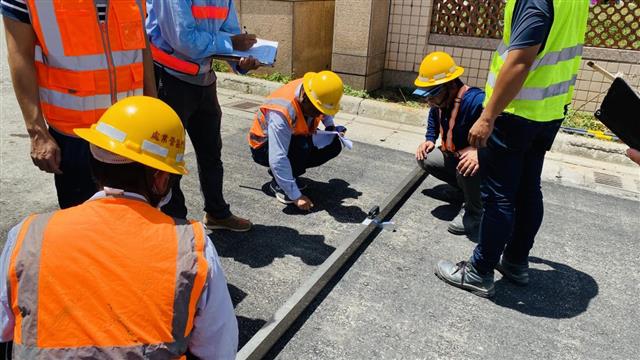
(560, 167)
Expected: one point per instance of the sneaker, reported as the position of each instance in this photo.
(279, 193)
(464, 276)
(233, 223)
(516, 273)
(464, 223)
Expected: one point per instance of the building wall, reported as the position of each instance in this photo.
(409, 39)
(303, 29)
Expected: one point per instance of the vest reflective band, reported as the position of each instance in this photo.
(549, 86)
(123, 285)
(447, 142)
(284, 101)
(174, 63)
(84, 66)
(209, 12)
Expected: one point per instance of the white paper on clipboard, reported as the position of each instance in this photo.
(263, 50)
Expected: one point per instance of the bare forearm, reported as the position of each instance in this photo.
(21, 49)
(149, 77)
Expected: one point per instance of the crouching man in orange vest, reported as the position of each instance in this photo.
(114, 277)
(281, 135)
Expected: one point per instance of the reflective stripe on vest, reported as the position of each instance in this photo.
(447, 142)
(209, 12)
(106, 316)
(548, 88)
(174, 63)
(81, 58)
(284, 101)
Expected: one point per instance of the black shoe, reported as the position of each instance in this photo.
(464, 276)
(516, 273)
(279, 193)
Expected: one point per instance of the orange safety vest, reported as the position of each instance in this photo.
(447, 142)
(84, 66)
(285, 101)
(111, 278)
(202, 11)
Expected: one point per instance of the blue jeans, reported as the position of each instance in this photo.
(510, 168)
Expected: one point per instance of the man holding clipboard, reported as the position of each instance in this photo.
(185, 36)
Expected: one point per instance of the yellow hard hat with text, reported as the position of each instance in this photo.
(325, 90)
(142, 129)
(437, 68)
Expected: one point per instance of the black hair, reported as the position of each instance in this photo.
(132, 177)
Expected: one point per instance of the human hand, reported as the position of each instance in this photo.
(341, 129)
(424, 149)
(45, 152)
(634, 155)
(480, 132)
(303, 203)
(243, 42)
(248, 64)
(468, 165)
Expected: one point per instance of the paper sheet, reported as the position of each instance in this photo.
(264, 50)
(323, 138)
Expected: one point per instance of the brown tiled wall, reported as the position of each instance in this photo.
(407, 43)
(409, 22)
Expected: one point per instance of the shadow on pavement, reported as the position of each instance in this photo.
(247, 327)
(446, 212)
(328, 196)
(559, 293)
(445, 193)
(260, 246)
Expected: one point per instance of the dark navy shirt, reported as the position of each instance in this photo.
(531, 23)
(469, 112)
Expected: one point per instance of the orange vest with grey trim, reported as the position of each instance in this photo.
(285, 102)
(111, 278)
(84, 66)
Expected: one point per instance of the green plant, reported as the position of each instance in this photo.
(220, 66)
(583, 120)
(348, 90)
(276, 76)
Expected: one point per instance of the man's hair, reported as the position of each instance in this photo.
(129, 177)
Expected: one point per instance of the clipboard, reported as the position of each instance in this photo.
(265, 51)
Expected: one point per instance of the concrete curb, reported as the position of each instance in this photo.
(565, 143)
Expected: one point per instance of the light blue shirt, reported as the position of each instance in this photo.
(279, 138)
(172, 27)
(215, 332)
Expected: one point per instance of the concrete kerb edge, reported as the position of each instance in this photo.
(565, 143)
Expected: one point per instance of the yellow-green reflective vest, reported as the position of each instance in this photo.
(549, 85)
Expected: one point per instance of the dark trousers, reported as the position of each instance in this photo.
(510, 168)
(443, 166)
(302, 154)
(201, 116)
(75, 185)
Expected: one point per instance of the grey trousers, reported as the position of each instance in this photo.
(443, 167)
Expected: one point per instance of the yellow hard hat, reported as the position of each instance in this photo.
(324, 89)
(142, 129)
(437, 68)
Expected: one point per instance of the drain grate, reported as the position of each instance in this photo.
(607, 179)
(245, 105)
